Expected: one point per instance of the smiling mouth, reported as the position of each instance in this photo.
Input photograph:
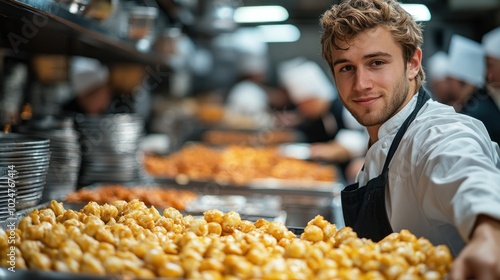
(366, 101)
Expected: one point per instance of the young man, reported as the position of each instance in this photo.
(428, 169)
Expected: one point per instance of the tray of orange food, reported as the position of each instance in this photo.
(239, 167)
(152, 195)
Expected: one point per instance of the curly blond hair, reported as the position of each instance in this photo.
(344, 21)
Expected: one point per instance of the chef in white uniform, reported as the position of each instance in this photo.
(437, 73)
(491, 44)
(333, 133)
(428, 169)
(248, 99)
(466, 70)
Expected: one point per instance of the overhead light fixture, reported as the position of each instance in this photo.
(279, 33)
(250, 14)
(420, 12)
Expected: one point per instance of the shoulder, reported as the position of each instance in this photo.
(439, 124)
(435, 115)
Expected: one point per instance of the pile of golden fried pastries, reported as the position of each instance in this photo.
(236, 164)
(132, 240)
(152, 196)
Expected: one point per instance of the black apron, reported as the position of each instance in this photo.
(364, 208)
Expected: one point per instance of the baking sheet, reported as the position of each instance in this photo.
(263, 186)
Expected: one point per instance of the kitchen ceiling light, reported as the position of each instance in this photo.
(419, 11)
(279, 33)
(251, 14)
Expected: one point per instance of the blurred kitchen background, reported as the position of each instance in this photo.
(204, 46)
(187, 47)
(111, 80)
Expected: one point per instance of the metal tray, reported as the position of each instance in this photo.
(23, 274)
(262, 186)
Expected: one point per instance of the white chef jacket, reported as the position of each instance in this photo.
(444, 173)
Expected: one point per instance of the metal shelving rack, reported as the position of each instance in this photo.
(46, 27)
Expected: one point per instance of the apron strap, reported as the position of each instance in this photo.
(421, 99)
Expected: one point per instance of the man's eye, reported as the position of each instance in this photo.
(377, 63)
(346, 68)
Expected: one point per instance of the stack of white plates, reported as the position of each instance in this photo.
(62, 177)
(110, 148)
(24, 162)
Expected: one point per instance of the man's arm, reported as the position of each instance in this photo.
(480, 259)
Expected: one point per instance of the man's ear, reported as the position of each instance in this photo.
(414, 64)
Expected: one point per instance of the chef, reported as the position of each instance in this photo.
(428, 169)
(491, 44)
(466, 70)
(437, 73)
(248, 98)
(484, 104)
(90, 83)
(334, 134)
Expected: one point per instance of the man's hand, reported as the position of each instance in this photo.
(329, 151)
(480, 259)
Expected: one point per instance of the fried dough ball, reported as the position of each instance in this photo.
(230, 221)
(312, 233)
(213, 215)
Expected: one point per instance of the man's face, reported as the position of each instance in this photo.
(458, 90)
(97, 101)
(372, 78)
(493, 71)
(441, 91)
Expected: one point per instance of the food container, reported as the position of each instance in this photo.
(24, 162)
(100, 9)
(95, 9)
(141, 22)
(50, 69)
(171, 245)
(65, 155)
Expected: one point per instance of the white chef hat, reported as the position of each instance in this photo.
(491, 43)
(248, 98)
(252, 51)
(437, 66)
(467, 61)
(304, 79)
(87, 74)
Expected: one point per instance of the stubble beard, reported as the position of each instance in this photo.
(395, 103)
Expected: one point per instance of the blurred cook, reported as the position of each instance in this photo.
(437, 82)
(467, 72)
(491, 44)
(334, 133)
(248, 97)
(90, 83)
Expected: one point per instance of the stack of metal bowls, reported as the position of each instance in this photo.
(24, 162)
(62, 177)
(110, 148)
